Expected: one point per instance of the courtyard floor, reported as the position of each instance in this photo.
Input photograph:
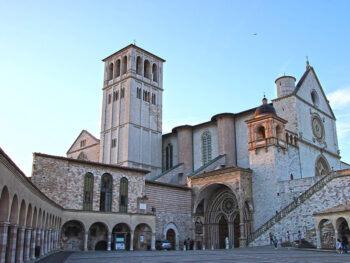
(249, 255)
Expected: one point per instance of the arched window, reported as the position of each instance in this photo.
(261, 133)
(206, 147)
(147, 69)
(169, 156)
(106, 193)
(321, 167)
(88, 191)
(154, 72)
(110, 71)
(123, 195)
(125, 64)
(139, 66)
(117, 68)
(278, 132)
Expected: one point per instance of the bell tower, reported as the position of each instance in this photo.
(131, 124)
(267, 159)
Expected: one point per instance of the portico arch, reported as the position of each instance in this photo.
(168, 235)
(72, 235)
(142, 237)
(4, 205)
(327, 234)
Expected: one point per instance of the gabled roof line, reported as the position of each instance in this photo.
(301, 81)
(97, 140)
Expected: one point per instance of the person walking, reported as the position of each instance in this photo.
(299, 238)
(340, 247)
(271, 238)
(345, 244)
(288, 236)
(275, 241)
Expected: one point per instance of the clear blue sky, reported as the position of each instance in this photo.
(51, 73)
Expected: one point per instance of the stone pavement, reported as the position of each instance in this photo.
(246, 255)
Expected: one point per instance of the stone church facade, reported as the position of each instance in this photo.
(236, 177)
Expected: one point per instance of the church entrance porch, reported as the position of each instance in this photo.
(222, 202)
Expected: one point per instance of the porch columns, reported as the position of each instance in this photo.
(86, 236)
(153, 242)
(32, 244)
(11, 255)
(131, 240)
(109, 241)
(20, 244)
(3, 240)
(27, 238)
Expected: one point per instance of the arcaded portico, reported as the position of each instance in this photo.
(222, 207)
(332, 224)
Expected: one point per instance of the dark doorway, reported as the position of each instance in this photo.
(101, 245)
(170, 236)
(237, 231)
(223, 231)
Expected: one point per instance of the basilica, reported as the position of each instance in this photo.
(225, 183)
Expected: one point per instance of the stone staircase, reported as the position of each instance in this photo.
(289, 208)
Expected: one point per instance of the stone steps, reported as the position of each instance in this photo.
(289, 208)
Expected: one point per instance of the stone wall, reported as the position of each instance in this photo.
(335, 193)
(62, 180)
(172, 206)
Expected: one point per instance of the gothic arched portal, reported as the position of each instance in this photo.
(222, 217)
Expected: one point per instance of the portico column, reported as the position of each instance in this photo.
(86, 241)
(109, 241)
(318, 238)
(53, 239)
(58, 239)
(32, 244)
(38, 240)
(3, 240)
(335, 237)
(243, 238)
(42, 243)
(49, 249)
(20, 244)
(131, 240)
(11, 255)
(28, 235)
(153, 242)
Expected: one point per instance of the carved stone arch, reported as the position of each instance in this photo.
(322, 167)
(172, 226)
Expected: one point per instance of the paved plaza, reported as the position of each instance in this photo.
(249, 255)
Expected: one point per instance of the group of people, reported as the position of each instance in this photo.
(343, 245)
(274, 239)
(188, 244)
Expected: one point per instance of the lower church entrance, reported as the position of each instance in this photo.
(223, 218)
(223, 232)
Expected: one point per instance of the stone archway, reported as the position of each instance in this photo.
(72, 235)
(171, 232)
(170, 236)
(97, 232)
(221, 218)
(223, 231)
(142, 237)
(327, 234)
(121, 237)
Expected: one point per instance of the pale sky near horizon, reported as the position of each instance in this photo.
(221, 56)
